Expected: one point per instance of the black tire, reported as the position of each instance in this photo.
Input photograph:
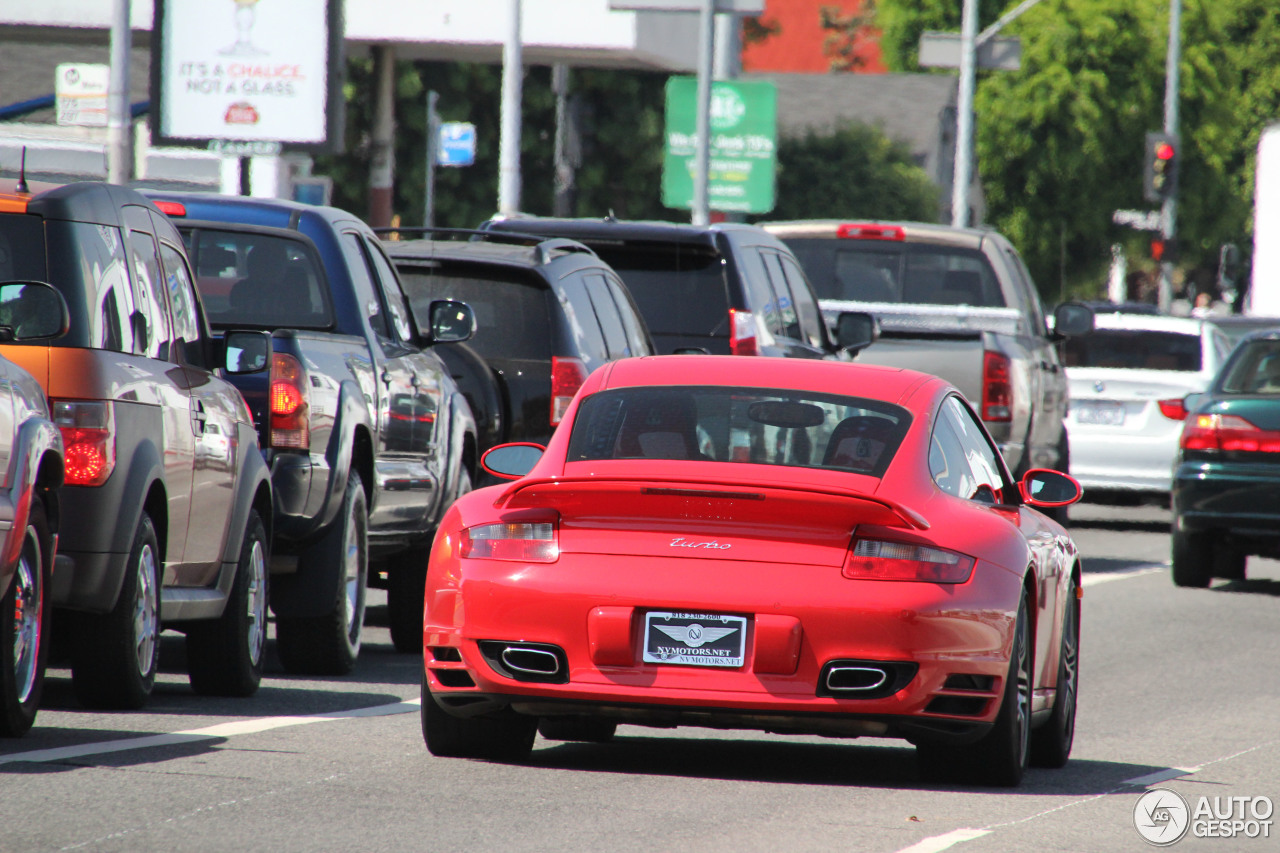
(25, 637)
(1051, 743)
(496, 738)
(1192, 559)
(115, 655)
(224, 655)
(588, 729)
(1229, 563)
(999, 757)
(330, 643)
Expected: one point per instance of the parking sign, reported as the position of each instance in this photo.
(457, 144)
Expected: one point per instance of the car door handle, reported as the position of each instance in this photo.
(1049, 366)
(198, 417)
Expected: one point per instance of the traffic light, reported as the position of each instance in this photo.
(1160, 167)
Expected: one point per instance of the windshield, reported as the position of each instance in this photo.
(737, 424)
(875, 271)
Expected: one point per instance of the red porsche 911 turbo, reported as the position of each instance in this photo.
(794, 546)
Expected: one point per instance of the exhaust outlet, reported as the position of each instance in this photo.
(530, 661)
(855, 679)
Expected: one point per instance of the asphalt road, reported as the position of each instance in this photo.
(1179, 690)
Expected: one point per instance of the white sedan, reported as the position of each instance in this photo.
(1127, 381)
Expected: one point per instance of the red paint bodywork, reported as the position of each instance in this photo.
(618, 520)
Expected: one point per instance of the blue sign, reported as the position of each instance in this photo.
(457, 145)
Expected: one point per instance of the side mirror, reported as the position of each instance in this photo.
(856, 330)
(246, 352)
(1072, 318)
(451, 321)
(1044, 487)
(511, 461)
(32, 310)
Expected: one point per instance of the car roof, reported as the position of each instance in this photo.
(609, 228)
(488, 251)
(873, 381)
(912, 232)
(278, 212)
(1149, 322)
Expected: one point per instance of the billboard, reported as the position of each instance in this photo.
(247, 76)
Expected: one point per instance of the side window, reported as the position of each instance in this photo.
(789, 324)
(978, 451)
(615, 337)
(760, 297)
(582, 318)
(186, 319)
(807, 313)
(392, 295)
(149, 294)
(95, 258)
(637, 336)
(362, 281)
(947, 462)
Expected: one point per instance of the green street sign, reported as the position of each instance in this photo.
(743, 145)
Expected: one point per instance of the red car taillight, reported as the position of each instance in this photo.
(742, 333)
(567, 375)
(289, 421)
(525, 542)
(88, 430)
(1227, 433)
(997, 389)
(1173, 409)
(880, 560)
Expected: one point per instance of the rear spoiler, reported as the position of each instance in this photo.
(544, 491)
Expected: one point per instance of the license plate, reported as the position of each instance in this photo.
(1099, 413)
(694, 639)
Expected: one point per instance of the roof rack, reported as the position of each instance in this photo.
(544, 245)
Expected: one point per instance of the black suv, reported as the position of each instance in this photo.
(725, 289)
(548, 312)
(166, 508)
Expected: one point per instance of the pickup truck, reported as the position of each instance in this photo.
(367, 436)
(958, 303)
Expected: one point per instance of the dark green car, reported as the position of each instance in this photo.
(1226, 479)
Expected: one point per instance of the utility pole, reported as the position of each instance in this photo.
(382, 166)
(118, 113)
(1169, 209)
(964, 116)
(433, 142)
(702, 152)
(509, 141)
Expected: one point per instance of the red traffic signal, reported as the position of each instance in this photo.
(1159, 167)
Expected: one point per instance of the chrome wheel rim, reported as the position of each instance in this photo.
(1023, 675)
(28, 595)
(353, 582)
(1070, 671)
(257, 601)
(146, 612)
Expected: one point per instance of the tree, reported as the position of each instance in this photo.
(855, 171)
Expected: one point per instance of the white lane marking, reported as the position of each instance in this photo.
(942, 842)
(1092, 580)
(1160, 776)
(215, 732)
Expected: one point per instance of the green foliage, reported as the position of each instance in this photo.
(1058, 143)
(854, 172)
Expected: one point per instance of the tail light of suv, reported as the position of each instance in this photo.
(567, 375)
(997, 387)
(88, 430)
(742, 333)
(289, 421)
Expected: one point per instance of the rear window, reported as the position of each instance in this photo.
(512, 318)
(1134, 349)
(1254, 369)
(734, 424)
(251, 279)
(875, 271)
(680, 290)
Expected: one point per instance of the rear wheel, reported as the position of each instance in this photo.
(116, 654)
(1229, 563)
(1192, 558)
(24, 628)
(500, 739)
(1051, 743)
(330, 643)
(224, 655)
(1000, 756)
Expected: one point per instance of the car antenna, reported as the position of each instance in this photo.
(610, 217)
(22, 174)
